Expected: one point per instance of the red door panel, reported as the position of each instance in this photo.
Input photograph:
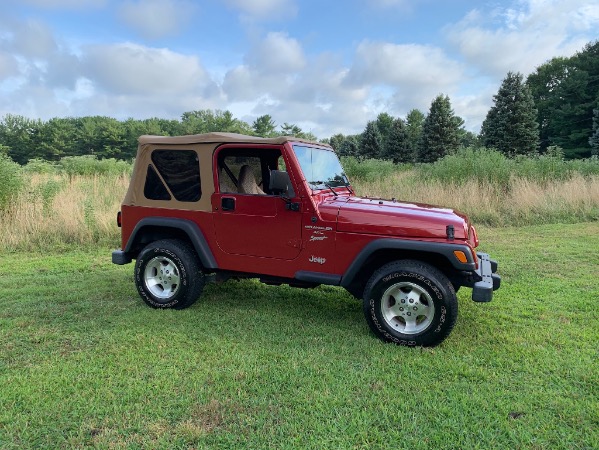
(256, 225)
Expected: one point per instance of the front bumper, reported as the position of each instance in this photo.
(490, 281)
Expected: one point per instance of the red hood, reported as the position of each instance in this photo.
(390, 218)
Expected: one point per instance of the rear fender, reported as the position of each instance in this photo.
(187, 227)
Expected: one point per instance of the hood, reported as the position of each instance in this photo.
(391, 218)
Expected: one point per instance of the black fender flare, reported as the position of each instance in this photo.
(191, 229)
(442, 249)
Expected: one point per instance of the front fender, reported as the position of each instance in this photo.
(431, 248)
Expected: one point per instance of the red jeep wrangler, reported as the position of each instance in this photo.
(216, 206)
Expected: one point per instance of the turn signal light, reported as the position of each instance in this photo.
(461, 256)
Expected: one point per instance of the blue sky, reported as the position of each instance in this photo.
(327, 66)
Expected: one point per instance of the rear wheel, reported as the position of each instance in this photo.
(168, 274)
(410, 303)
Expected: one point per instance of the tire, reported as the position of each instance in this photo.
(410, 303)
(168, 274)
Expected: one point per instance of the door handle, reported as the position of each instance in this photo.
(227, 204)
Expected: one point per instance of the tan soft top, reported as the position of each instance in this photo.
(204, 145)
(218, 138)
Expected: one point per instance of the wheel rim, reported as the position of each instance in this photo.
(407, 308)
(161, 277)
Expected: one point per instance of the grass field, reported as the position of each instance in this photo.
(84, 363)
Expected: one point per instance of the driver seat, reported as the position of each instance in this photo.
(247, 182)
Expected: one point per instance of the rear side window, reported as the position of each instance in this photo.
(154, 189)
(180, 171)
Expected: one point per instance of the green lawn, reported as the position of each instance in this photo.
(83, 362)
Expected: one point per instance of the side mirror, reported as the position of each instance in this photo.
(280, 183)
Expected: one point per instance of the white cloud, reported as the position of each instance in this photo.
(270, 66)
(397, 65)
(8, 65)
(276, 54)
(279, 79)
(264, 9)
(43, 74)
(415, 74)
(157, 18)
(524, 36)
(132, 68)
(32, 39)
(35, 55)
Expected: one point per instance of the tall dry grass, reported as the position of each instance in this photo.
(58, 211)
(61, 211)
(525, 202)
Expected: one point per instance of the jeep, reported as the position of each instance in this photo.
(216, 206)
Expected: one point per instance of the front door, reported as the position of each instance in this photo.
(249, 220)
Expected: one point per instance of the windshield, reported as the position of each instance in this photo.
(321, 167)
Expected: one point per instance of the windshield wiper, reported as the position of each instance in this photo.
(346, 183)
(327, 185)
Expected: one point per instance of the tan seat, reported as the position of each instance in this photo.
(247, 182)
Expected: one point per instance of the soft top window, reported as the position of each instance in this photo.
(180, 171)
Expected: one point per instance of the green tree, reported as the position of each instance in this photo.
(290, 129)
(594, 139)
(468, 138)
(397, 147)
(350, 146)
(264, 126)
(564, 91)
(543, 85)
(371, 143)
(440, 131)
(414, 123)
(88, 142)
(384, 123)
(336, 141)
(57, 138)
(113, 139)
(20, 134)
(208, 121)
(511, 124)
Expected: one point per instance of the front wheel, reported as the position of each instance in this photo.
(168, 275)
(410, 303)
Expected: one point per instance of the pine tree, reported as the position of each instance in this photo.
(336, 141)
(511, 124)
(414, 123)
(371, 144)
(439, 132)
(398, 146)
(349, 147)
(594, 139)
(264, 126)
(384, 123)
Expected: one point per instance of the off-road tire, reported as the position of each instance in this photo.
(168, 274)
(410, 303)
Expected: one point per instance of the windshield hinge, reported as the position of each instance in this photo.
(450, 230)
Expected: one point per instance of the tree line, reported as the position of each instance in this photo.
(24, 139)
(556, 106)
